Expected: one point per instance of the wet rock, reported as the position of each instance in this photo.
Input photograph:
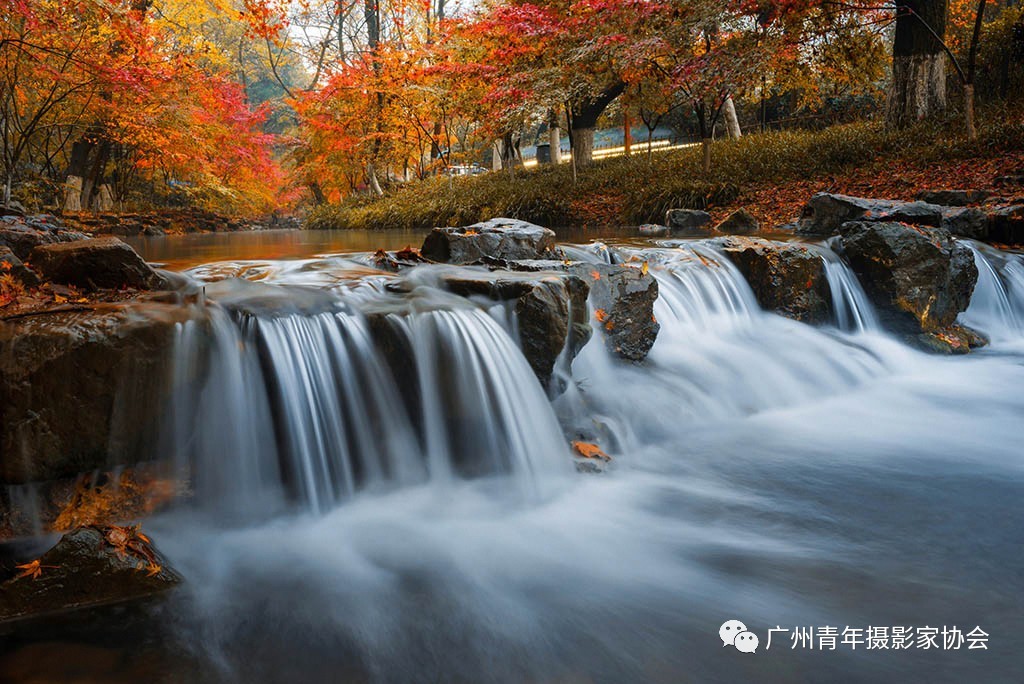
(623, 299)
(11, 264)
(499, 238)
(80, 391)
(23, 234)
(952, 198)
(918, 278)
(824, 213)
(740, 222)
(786, 278)
(953, 339)
(1006, 225)
(688, 222)
(551, 310)
(966, 222)
(86, 570)
(94, 264)
(653, 230)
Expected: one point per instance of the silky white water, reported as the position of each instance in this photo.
(430, 527)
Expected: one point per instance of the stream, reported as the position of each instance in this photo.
(424, 523)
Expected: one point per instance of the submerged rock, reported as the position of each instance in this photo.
(551, 310)
(653, 230)
(740, 222)
(78, 389)
(786, 278)
(499, 238)
(953, 339)
(688, 222)
(825, 212)
(623, 299)
(94, 264)
(88, 568)
(918, 278)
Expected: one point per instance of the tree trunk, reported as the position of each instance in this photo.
(555, 142)
(705, 145)
(583, 147)
(972, 62)
(371, 177)
(627, 134)
(496, 155)
(918, 88)
(583, 119)
(732, 122)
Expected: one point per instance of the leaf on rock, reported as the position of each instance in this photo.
(590, 450)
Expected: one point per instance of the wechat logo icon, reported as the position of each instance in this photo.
(735, 633)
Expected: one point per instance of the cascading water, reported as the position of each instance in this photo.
(853, 311)
(278, 404)
(997, 306)
(764, 470)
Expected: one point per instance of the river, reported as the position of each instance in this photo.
(786, 476)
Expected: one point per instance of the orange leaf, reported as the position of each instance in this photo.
(595, 275)
(589, 450)
(601, 315)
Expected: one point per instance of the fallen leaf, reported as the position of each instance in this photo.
(590, 450)
(595, 275)
(601, 315)
(644, 268)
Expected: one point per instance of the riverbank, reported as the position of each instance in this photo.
(770, 174)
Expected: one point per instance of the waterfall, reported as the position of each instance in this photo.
(997, 305)
(853, 311)
(718, 356)
(311, 406)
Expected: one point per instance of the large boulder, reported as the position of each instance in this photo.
(688, 222)
(623, 301)
(551, 311)
(740, 222)
(786, 278)
(88, 568)
(94, 264)
(1006, 225)
(500, 238)
(918, 278)
(81, 391)
(825, 212)
(23, 234)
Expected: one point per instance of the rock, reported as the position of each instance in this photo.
(653, 230)
(23, 234)
(1006, 225)
(966, 222)
(688, 222)
(918, 278)
(623, 299)
(953, 339)
(60, 399)
(86, 570)
(10, 263)
(740, 222)
(952, 198)
(94, 264)
(551, 310)
(499, 238)
(786, 278)
(824, 213)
